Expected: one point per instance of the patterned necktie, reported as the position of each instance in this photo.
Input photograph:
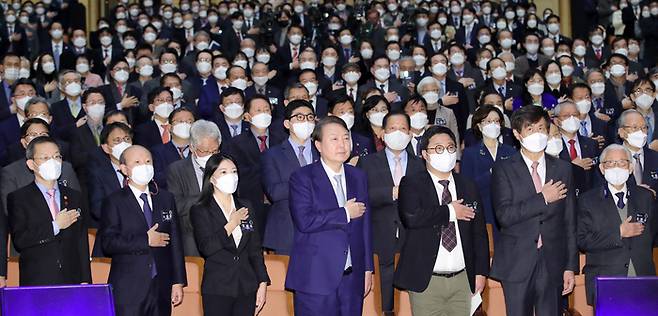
(620, 200)
(637, 173)
(235, 130)
(536, 180)
(262, 146)
(501, 91)
(56, 52)
(52, 203)
(181, 150)
(148, 216)
(448, 232)
(583, 128)
(165, 133)
(75, 109)
(301, 158)
(397, 171)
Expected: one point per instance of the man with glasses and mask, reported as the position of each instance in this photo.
(277, 164)
(445, 258)
(535, 205)
(611, 218)
(46, 222)
(185, 176)
(633, 131)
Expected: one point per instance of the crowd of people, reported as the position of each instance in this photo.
(329, 132)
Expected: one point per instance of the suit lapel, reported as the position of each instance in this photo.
(134, 205)
(190, 175)
(289, 152)
(42, 203)
(551, 173)
(522, 173)
(384, 167)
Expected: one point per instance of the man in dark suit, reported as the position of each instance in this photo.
(452, 92)
(388, 84)
(140, 232)
(68, 113)
(11, 64)
(630, 16)
(108, 51)
(121, 96)
(10, 128)
(308, 79)
(260, 75)
(177, 148)
(45, 223)
(633, 132)
(278, 163)
(54, 44)
(385, 169)
(232, 34)
(536, 254)
(577, 149)
(605, 103)
(616, 223)
(158, 130)
(185, 177)
(330, 209)
(287, 57)
(498, 82)
(13, 37)
(248, 148)
(210, 95)
(597, 51)
(231, 118)
(342, 106)
(445, 235)
(86, 138)
(532, 58)
(590, 124)
(467, 34)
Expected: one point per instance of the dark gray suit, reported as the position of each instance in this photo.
(183, 184)
(598, 235)
(16, 175)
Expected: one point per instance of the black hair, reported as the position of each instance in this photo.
(208, 188)
(338, 99)
(316, 136)
(528, 115)
(29, 122)
(23, 81)
(396, 113)
(108, 129)
(178, 110)
(89, 91)
(156, 91)
(247, 105)
(435, 130)
(295, 104)
(480, 114)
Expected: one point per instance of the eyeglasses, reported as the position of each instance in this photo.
(203, 153)
(633, 129)
(638, 92)
(616, 163)
(56, 157)
(303, 117)
(118, 140)
(439, 149)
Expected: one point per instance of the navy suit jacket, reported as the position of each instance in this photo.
(583, 180)
(649, 169)
(323, 234)
(10, 132)
(278, 163)
(148, 135)
(361, 145)
(225, 130)
(5, 102)
(101, 180)
(209, 99)
(321, 107)
(163, 156)
(273, 94)
(63, 120)
(123, 230)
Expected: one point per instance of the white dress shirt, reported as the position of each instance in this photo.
(137, 193)
(576, 144)
(334, 184)
(449, 261)
(614, 192)
(541, 168)
(237, 231)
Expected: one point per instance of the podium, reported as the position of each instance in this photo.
(626, 296)
(69, 300)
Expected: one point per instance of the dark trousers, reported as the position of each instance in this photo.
(229, 306)
(387, 271)
(345, 301)
(536, 294)
(155, 303)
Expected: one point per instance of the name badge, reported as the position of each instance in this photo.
(654, 175)
(63, 182)
(247, 225)
(440, 121)
(274, 100)
(167, 215)
(609, 111)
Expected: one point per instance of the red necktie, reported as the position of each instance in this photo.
(572, 149)
(262, 146)
(165, 133)
(120, 89)
(598, 53)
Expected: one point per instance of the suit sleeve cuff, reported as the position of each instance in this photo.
(453, 214)
(55, 228)
(347, 214)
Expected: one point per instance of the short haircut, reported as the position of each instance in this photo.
(178, 110)
(338, 99)
(317, 131)
(112, 113)
(90, 91)
(247, 105)
(416, 98)
(295, 104)
(579, 85)
(481, 113)
(612, 147)
(204, 129)
(156, 92)
(170, 75)
(435, 130)
(29, 151)
(33, 121)
(392, 114)
(35, 100)
(231, 91)
(558, 107)
(527, 115)
(108, 129)
(22, 81)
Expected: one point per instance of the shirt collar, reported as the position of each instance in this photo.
(528, 162)
(390, 155)
(43, 188)
(614, 191)
(136, 192)
(330, 172)
(436, 179)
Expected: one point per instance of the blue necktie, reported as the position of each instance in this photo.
(148, 215)
(620, 201)
(235, 130)
(583, 128)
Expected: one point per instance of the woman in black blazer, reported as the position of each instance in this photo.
(234, 278)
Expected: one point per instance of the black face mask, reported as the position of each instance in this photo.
(284, 23)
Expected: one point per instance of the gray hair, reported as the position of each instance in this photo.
(60, 78)
(33, 101)
(613, 147)
(622, 117)
(204, 129)
(559, 106)
(425, 81)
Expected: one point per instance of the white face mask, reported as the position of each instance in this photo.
(96, 112)
(484, 39)
(491, 130)
(457, 59)
(571, 125)
(637, 139)
(295, 39)
(80, 42)
(617, 70)
(121, 76)
(483, 64)
(329, 61)
(146, 71)
(260, 81)
(579, 50)
(431, 97)
(348, 119)
(263, 58)
(536, 89)
(142, 174)
(346, 39)
(616, 176)
(303, 130)
(598, 88)
(535, 142)
(261, 120)
(553, 78)
(307, 65)
(439, 69)
(82, 68)
(182, 130)
(249, 52)
(499, 73)
(168, 68)
(50, 170)
(220, 73)
(118, 149)
(203, 67)
(106, 40)
(506, 43)
(584, 106)
(393, 54)
(24, 73)
(177, 93)
(239, 83)
(509, 66)
(21, 102)
(366, 53)
(377, 118)
(312, 88)
(567, 70)
(73, 89)
(397, 140)
(435, 34)
(227, 183)
(233, 111)
(444, 162)
(644, 101)
(202, 160)
(597, 39)
(163, 110)
(150, 37)
(382, 74)
(554, 146)
(351, 77)
(419, 120)
(48, 67)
